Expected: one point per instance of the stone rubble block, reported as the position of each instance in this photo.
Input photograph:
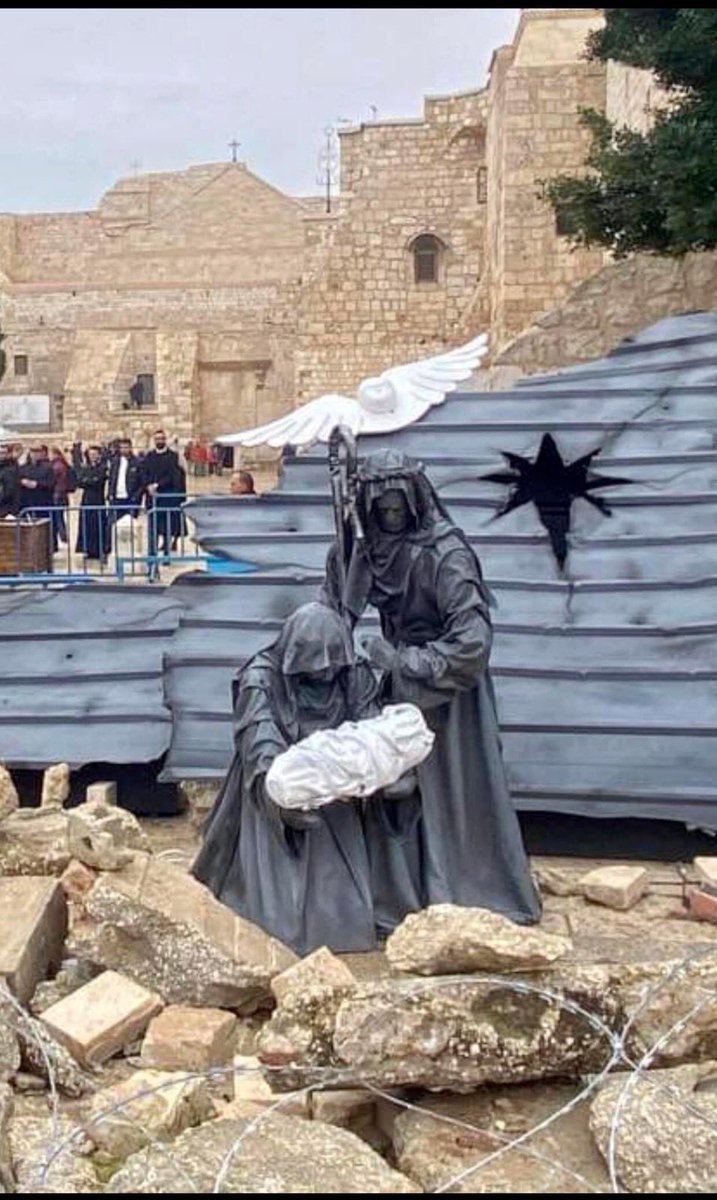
(38, 1163)
(189, 1039)
(446, 939)
(702, 905)
(33, 925)
(344, 1106)
(278, 1155)
(104, 836)
(320, 969)
(101, 1017)
(77, 881)
(706, 872)
(55, 786)
(149, 1105)
(253, 1095)
(556, 882)
(158, 925)
(9, 800)
(33, 841)
(7, 1107)
(617, 887)
(102, 792)
(666, 1138)
(9, 1043)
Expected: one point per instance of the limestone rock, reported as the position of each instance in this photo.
(55, 786)
(343, 1106)
(7, 1182)
(38, 1162)
(200, 796)
(104, 836)
(555, 881)
(164, 929)
(77, 881)
(618, 887)
(149, 1106)
(320, 969)
(189, 1039)
(666, 1129)
(33, 924)
(33, 841)
(446, 939)
(9, 800)
(104, 792)
(442, 1143)
(73, 974)
(252, 1093)
(43, 1056)
(98, 1019)
(280, 1154)
(705, 870)
(459, 1032)
(9, 1043)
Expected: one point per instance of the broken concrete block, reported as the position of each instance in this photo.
(150, 1106)
(344, 1106)
(706, 872)
(33, 841)
(55, 786)
(253, 1095)
(7, 1107)
(104, 836)
(702, 905)
(320, 969)
(616, 887)
(158, 925)
(189, 1039)
(33, 924)
(39, 1165)
(104, 792)
(98, 1019)
(77, 881)
(9, 1043)
(9, 800)
(447, 938)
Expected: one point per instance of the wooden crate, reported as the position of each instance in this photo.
(25, 547)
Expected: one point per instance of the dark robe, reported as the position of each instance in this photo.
(163, 518)
(38, 500)
(10, 490)
(93, 536)
(434, 607)
(309, 888)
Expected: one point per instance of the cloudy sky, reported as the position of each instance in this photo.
(88, 95)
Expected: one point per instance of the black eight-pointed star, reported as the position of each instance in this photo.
(552, 485)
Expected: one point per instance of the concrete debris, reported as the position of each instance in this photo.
(446, 939)
(702, 905)
(40, 1166)
(706, 872)
(9, 800)
(103, 836)
(164, 929)
(279, 1154)
(7, 1106)
(556, 882)
(189, 1039)
(73, 974)
(9, 1043)
(55, 786)
(665, 1140)
(98, 1019)
(150, 1106)
(77, 881)
(44, 1057)
(33, 841)
(102, 792)
(618, 886)
(322, 969)
(253, 1094)
(351, 1108)
(33, 925)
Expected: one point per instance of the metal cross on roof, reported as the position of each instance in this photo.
(234, 146)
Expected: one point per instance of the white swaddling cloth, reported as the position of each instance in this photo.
(352, 761)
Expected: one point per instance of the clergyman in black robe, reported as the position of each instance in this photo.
(93, 532)
(303, 877)
(418, 569)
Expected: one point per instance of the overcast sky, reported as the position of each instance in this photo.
(87, 94)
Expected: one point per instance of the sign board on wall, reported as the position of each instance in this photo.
(24, 410)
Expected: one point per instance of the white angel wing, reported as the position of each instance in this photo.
(311, 423)
(419, 385)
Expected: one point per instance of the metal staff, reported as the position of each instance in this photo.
(343, 475)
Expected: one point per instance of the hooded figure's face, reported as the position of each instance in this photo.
(392, 512)
(315, 650)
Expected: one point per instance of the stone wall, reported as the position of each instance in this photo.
(615, 303)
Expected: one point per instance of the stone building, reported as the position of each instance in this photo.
(220, 302)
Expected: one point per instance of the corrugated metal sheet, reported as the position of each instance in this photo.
(81, 674)
(606, 676)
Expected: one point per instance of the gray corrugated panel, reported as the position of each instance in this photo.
(81, 674)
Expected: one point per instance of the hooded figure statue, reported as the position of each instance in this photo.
(417, 568)
(303, 877)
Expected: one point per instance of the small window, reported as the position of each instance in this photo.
(426, 258)
(141, 393)
(21, 364)
(565, 224)
(482, 185)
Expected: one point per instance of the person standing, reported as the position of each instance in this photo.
(162, 481)
(124, 486)
(93, 540)
(65, 483)
(37, 482)
(10, 490)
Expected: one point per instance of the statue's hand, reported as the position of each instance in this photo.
(379, 652)
(295, 818)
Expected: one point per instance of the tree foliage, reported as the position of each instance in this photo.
(655, 191)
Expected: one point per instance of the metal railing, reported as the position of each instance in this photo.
(84, 541)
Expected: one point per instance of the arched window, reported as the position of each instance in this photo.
(426, 258)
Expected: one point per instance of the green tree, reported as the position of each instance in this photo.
(655, 191)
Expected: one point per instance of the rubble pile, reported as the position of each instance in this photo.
(474, 1055)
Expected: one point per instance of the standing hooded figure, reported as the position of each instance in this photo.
(302, 877)
(418, 569)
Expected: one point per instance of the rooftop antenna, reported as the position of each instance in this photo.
(234, 146)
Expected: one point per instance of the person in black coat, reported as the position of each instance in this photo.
(125, 482)
(93, 537)
(9, 483)
(37, 483)
(162, 477)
